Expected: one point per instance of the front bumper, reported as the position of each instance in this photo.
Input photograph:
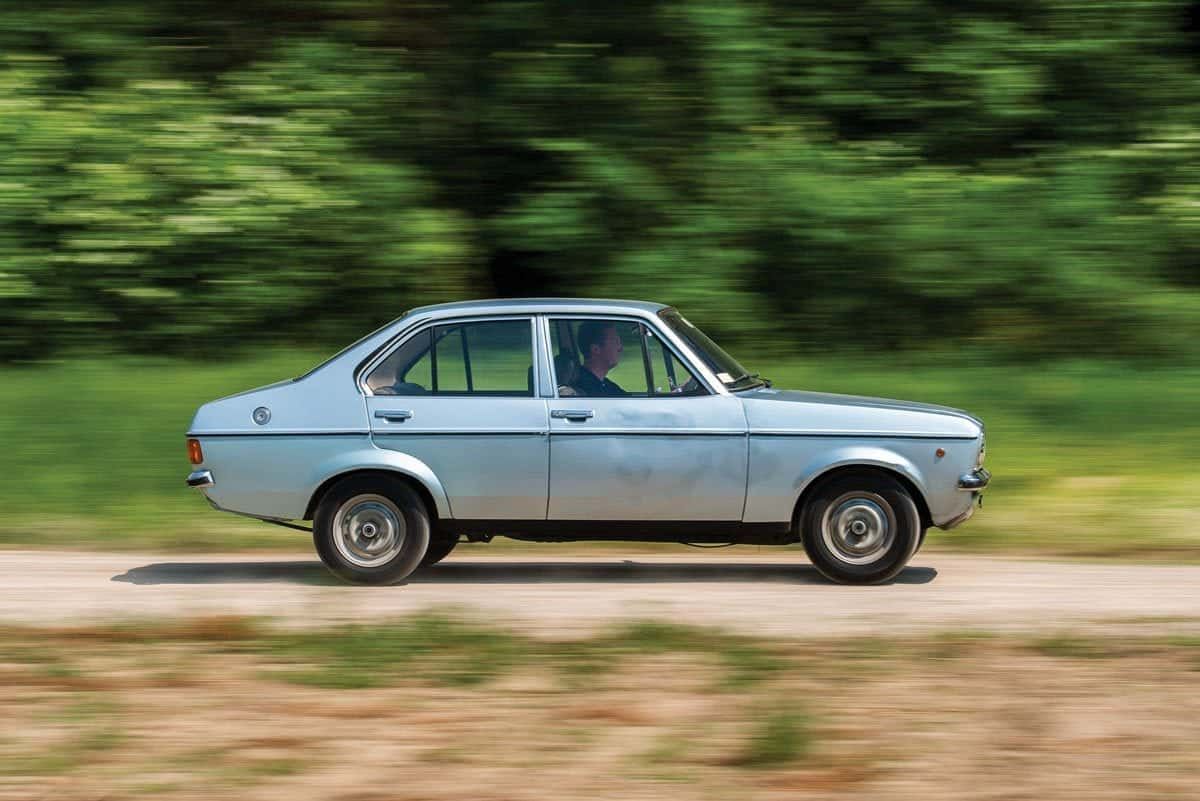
(200, 479)
(975, 481)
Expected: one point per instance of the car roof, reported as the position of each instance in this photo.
(534, 305)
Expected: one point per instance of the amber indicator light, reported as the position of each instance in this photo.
(195, 455)
(939, 453)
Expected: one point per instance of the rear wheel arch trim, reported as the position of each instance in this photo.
(418, 475)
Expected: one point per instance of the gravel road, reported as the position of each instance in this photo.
(754, 590)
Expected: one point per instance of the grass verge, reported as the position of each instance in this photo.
(1090, 459)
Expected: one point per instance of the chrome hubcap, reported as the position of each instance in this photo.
(368, 530)
(859, 528)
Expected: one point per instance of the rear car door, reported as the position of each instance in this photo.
(459, 395)
(668, 449)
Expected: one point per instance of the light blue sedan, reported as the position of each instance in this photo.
(559, 420)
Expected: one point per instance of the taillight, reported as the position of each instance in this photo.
(195, 455)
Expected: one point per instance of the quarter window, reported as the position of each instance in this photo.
(476, 358)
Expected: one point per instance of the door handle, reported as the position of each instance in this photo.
(393, 415)
(572, 414)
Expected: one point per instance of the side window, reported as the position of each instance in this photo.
(407, 371)
(500, 357)
(668, 374)
(450, 358)
(598, 358)
(480, 358)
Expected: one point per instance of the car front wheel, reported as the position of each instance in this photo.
(371, 529)
(860, 528)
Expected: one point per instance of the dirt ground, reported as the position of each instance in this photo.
(220, 709)
(762, 591)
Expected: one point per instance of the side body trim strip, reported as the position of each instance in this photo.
(290, 432)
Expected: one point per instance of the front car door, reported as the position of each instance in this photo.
(648, 440)
(459, 395)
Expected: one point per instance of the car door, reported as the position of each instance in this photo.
(671, 449)
(459, 395)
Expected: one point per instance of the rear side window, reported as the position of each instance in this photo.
(478, 358)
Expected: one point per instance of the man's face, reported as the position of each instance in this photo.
(609, 352)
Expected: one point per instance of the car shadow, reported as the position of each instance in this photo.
(291, 572)
(626, 571)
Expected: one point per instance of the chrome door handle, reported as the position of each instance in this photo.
(393, 415)
(572, 414)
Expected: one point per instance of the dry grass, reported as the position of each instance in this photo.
(212, 709)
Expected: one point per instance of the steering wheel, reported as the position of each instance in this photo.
(686, 388)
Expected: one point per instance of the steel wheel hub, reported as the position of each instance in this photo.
(369, 530)
(859, 528)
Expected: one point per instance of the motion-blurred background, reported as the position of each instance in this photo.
(987, 204)
(991, 204)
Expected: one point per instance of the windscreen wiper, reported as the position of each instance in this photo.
(758, 377)
(753, 376)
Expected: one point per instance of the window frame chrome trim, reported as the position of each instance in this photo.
(706, 379)
(545, 374)
(368, 365)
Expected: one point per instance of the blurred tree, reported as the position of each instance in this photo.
(1018, 176)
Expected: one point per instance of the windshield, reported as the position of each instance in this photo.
(726, 368)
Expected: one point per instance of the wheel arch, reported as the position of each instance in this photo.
(836, 471)
(390, 463)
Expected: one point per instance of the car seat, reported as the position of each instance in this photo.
(566, 370)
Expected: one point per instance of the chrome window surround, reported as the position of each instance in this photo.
(706, 380)
(544, 381)
(368, 366)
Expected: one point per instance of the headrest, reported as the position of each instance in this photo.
(566, 369)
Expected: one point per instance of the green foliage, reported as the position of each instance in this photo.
(782, 735)
(443, 649)
(744, 663)
(1071, 646)
(189, 177)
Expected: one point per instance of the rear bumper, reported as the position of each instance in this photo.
(200, 479)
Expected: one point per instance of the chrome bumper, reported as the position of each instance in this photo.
(200, 479)
(964, 517)
(974, 481)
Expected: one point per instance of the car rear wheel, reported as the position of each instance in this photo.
(860, 528)
(371, 529)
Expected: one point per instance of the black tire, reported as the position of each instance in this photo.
(440, 546)
(875, 503)
(344, 541)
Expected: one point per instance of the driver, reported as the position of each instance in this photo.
(600, 346)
